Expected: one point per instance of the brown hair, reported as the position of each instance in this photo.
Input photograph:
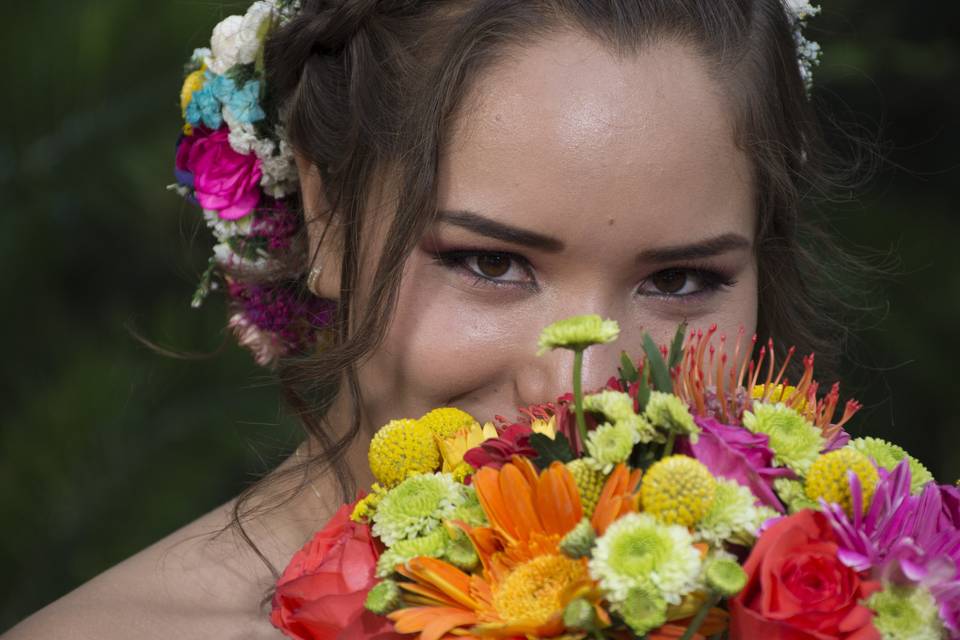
(369, 86)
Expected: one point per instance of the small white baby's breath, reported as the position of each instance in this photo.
(225, 229)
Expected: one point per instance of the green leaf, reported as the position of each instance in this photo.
(643, 389)
(205, 285)
(658, 368)
(676, 347)
(242, 73)
(550, 449)
(628, 372)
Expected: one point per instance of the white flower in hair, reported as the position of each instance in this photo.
(223, 230)
(280, 176)
(802, 9)
(237, 39)
(808, 51)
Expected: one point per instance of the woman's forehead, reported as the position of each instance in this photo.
(564, 135)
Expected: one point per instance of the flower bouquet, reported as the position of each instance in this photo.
(698, 494)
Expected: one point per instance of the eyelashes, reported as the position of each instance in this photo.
(673, 283)
(471, 262)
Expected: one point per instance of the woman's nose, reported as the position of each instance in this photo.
(544, 378)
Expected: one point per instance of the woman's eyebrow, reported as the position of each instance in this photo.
(477, 223)
(703, 249)
(472, 221)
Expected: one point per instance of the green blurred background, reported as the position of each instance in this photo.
(106, 446)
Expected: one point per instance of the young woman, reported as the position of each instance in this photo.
(467, 172)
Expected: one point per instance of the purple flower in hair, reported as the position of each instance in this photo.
(278, 313)
(276, 224)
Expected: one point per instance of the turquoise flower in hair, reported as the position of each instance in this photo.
(244, 103)
(204, 108)
(220, 86)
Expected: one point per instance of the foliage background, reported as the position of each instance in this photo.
(106, 446)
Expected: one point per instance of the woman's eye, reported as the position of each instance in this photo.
(492, 265)
(490, 268)
(678, 283)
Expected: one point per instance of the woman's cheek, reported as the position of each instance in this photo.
(441, 345)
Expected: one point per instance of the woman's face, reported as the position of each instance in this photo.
(575, 182)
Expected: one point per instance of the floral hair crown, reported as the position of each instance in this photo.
(233, 160)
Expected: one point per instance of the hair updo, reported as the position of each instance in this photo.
(367, 89)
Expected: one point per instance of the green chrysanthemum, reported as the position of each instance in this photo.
(610, 444)
(617, 408)
(643, 609)
(580, 614)
(795, 442)
(793, 495)
(725, 576)
(470, 511)
(614, 405)
(432, 545)
(460, 551)
(733, 516)
(906, 613)
(668, 412)
(644, 430)
(578, 332)
(416, 507)
(887, 456)
(436, 544)
(383, 598)
(579, 541)
(636, 549)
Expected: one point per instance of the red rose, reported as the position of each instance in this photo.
(321, 592)
(798, 589)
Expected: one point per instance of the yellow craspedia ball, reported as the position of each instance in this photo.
(446, 421)
(678, 490)
(402, 448)
(779, 393)
(589, 483)
(827, 478)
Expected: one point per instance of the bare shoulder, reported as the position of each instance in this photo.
(198, 582)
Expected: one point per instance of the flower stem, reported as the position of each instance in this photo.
(668, 448)
(578, 395)
(698, 619)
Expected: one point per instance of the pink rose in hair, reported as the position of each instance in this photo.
(223, 180)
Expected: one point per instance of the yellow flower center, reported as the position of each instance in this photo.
(446, 421)
(678, 490)
(531, 594)
(402, 448)
(827, 478)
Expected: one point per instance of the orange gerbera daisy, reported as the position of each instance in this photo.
(525, 582)
(618, 497)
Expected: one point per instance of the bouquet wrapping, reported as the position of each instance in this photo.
(699, 494)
